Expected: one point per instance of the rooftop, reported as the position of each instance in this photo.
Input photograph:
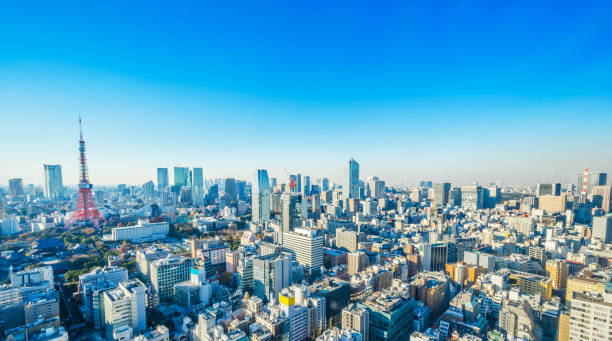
(170, 260)
(386, 301)
(605, 299)
(160, 330)
(48, 243)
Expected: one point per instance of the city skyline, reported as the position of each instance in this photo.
(283, 178)
(339, 179)
(305, 171)
(419, 92)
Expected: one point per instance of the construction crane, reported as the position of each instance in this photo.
(292, 181)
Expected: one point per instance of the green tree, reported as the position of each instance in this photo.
(130, 266)
(73, 275)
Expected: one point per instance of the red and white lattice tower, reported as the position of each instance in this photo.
(585, 181)
(86, 211)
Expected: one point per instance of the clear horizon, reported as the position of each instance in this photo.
(520, 93)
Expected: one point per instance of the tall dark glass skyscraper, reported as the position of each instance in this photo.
(162, 178)
(261, 196)
(197, 178)
(293, 211)
(352, 181)
(181, 176)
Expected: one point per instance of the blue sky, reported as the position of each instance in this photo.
(478, 91)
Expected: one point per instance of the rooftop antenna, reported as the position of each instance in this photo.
(80, 127)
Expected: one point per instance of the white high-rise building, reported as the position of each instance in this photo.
(471, 197)
(197, 276)
(41, 277)
(145, 257)
(306, 247)
(167, 272)
(8, 226)
(261, 196)
(54, 186)
(377, 187)
(125, 307)
(92, 284)
(590, 317)
(113, 274)
(296, 313)
(298, 296)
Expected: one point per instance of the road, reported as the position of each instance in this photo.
(75, 323)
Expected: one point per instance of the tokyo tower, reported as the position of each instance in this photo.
(86, 211)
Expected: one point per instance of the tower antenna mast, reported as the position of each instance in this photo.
(86, 211)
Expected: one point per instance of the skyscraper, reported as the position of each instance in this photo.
(297, 315)
(544, 189)
(602, 228)
(306, 247)
(601, 197)
(306, 185)
(162, 178)
(293, 211)
(167, 272)
(471, 197)
(352, 180)
(491, 196)
(454, 196)
(270, 275)
(590, 317)
(590, 179)
(433, 256)
(16, 187)
(261, 196)
(125, 306)
(325, 184)
(53, 181)
(229, 188)
(181, 176)
(241, 189)
(378, 190)
(197, 179)
(148, 189)
(441, 190)
(212, 193)
(300, 182)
